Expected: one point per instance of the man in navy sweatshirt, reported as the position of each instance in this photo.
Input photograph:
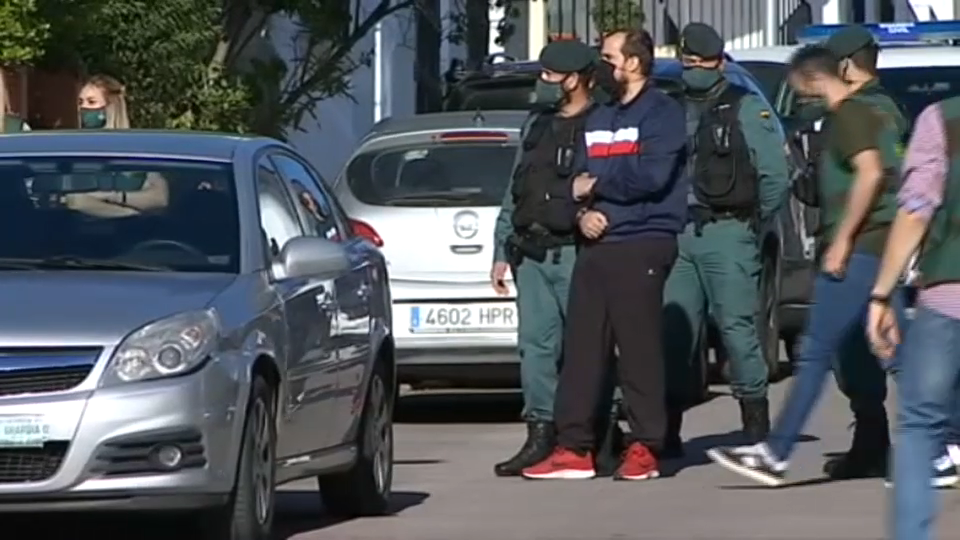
(635, 205)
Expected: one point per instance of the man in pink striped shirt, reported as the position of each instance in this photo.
(927, 365)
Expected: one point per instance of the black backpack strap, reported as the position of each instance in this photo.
(537, 127)
(727, 104)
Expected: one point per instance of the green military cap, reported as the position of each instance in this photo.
(567, 56)
(848, 40)
(699, 39)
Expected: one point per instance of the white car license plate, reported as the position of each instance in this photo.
(463, 318)
(23, 431)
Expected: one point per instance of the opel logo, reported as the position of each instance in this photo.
(466, 224)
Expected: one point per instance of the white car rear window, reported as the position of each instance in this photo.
(458, 174)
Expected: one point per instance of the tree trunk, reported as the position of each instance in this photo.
(477, 31)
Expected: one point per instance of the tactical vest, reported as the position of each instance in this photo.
(940, 253)
(836, 178)
(541, 180)
(806, 187)
(724, 176)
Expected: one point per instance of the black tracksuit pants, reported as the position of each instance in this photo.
(616, 300)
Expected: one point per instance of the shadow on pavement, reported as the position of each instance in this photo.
(696, 450)
(488, 407)
(416, 462)
(299, 512)
(815, 481)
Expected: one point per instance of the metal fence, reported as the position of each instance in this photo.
(742, 23)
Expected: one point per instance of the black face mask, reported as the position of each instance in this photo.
(606, 83)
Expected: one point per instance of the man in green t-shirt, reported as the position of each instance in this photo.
(861, 379)
(858, 176)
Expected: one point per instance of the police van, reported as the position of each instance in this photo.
(919, 64)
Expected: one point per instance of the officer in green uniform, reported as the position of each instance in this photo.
(858, 373)
(535, 234)
(739, 178)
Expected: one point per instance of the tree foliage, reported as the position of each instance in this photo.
(610, 15)
(204, 64)
(328, 47)
(160, 51)
(23, 32)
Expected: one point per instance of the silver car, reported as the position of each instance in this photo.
(428, 189)
(187, 321)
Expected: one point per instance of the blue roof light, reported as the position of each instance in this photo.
(890, 32)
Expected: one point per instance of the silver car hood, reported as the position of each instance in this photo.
(72, 307)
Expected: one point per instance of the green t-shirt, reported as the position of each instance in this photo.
(854, 127)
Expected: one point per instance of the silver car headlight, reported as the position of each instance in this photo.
(164, 348)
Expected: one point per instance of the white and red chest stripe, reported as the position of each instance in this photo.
(607, 143)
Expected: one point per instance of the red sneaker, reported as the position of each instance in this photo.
(638, 464)
(563, 464)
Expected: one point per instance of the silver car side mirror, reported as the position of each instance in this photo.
(311, 257)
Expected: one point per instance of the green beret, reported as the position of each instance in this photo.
(848, 40)
(699, 39)
(567, 56)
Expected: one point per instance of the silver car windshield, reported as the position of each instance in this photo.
(124, 214)
(461, 174)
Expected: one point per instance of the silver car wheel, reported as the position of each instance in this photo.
(380, 434)
(262, 461)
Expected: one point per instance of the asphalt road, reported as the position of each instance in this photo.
(444, 489)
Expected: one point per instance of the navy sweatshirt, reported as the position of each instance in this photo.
(636, 150)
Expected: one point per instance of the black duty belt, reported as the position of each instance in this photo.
(530, 245)
(701, 215)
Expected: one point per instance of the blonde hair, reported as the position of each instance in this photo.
(115, 95)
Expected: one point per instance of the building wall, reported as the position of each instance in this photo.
(385, 88)
(937, 10)
(45, 100)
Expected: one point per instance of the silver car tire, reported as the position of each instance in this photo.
(249, 514)
(364, 489)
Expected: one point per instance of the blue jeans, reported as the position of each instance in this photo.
(929, 368)
(839, 308)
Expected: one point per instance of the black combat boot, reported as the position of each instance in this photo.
(673, 443)
(541, 441)
(755, 415)
(868, 454)
(611, 444)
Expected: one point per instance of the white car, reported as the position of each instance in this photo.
(427, 190)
